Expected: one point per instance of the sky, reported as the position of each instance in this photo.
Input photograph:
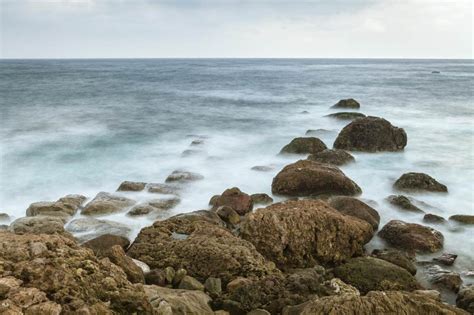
(232, 28)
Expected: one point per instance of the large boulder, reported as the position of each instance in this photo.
(64, 207)
(412, 236)
(374, 303)
(303, 233)
(356, 208)
(419, 181)
(373, 274)
(38, 225)
(304, 145)
(347, 103)
(178, 302)
(69, 275)
(308, 178)
(205, 249)
(371, 134)
(105, 203)
(234, 198)
(330, 156)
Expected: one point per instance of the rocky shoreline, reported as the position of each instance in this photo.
(245, 254)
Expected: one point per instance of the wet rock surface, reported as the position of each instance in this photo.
(419, 182)
(465, 298)
(261, 199)
(308, 178)
(356, 208)
(330, 156)
(105, 242)
(105, 203)
(347, 103)
(346, 115)
(397, 257)
(304, 145)
(234, 198)
(181, 176)
(433, 218)
(131, 186)
(38, 225)
(85, 229)
(462, 218)
(64, 207)
(404, 203)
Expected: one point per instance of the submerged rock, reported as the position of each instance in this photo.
(444, 278)
(131, 186)
(319, 132)
(433, 218)
(85, 229)
(412, 236)
(64, 207)
(403, 202)
(304, 233)
(308, 178)
(105, 203)
(371, 134)
(163, 189)
(373, 274)
(156, 206)
(304, 145)
(463, 218)
(4, 217)
(346, 115)
(347, 103)
(397, 257)
(419, 181)
(236, 199)
(208, 250)
(330, 156)
(262, 168)
(446, 259)
(183, 176)
(356, 208)
(261, 198)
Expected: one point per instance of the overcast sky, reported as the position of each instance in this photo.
(225, 28)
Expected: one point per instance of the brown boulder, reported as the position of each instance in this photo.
(331, 156)
(304, 145)
(64, 207)
(412, 236)
(419, 181)
(104, 242)
(116, 254)
(261, 198)
(403, 202)
(462, 218)
(105, 203)
(347, 103)
(308, 178)
(234, 198)
(131, 186)
(202, 247)
(356, 208)
(38, 225)
(371, 134)
(303, 233)
(433, 218)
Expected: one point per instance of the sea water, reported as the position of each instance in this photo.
(84, 126)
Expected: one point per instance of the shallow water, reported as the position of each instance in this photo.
(84, 126)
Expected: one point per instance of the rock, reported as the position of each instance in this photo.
(156, 276)
(258, 312)
(446, 259)
(303, 233)
(64, 207)
(199, 215)
(178, 276)
(318, 132)
(346, 115)
(190, 283)
(308, 178)
(170, 274)
(261, 198)
(389, 302)
(465, 298)
(68, 275)
(144, 267)
(330, 156)
(304, 145)
(142, 209)
(117, 256)
(183, 177)
(228, 215)
(444, 278)
(163, 189)
(104, 242)
(237, 283)
(262, 168)
(462, 218)
(191, 152)
(396, 257)
(239, 201)
(403, 202)
(347, 103)
(197, 142)
(213, 286)
(201, 246)
(373, 274)
(105, 203)
(340, 287)
(356, 208)
(304, 112)
(178, 302)
(4, 217)
(412, 236)
(85, 229)
(432, 294)
(371, 134)
(156, 206)
(419, 181)
(38, 225)
(435, 72)
(433, 218)
(131, 186)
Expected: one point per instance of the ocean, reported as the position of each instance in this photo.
(84, 126)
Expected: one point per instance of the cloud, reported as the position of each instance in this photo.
(146, 28)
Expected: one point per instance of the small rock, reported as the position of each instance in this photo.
(197, 142)
(164, 204)
(347, 103)
(433, 218)
(444, 278)
(234, 198)
(228, 215)
(166, 301)
(330, 156)
(64, 207)
(144, 267)
(213, 286)
(262, 168)
(191, 152)
(419, 181)
(117, 255)
(432, 294)
(318, 132)
(404, 203)
(346, 115)
(463, 218)
(131, 186)
(304, 145)
(446, 259)
(190, 283)
(142, 209)
(179, 275)
(105, 242)
(169, 274)
(261, 198)
(304, 112)
(183, 176)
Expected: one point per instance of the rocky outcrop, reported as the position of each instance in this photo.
(64, 207)
(105, 203)
(261, 198)
(304, 145)
(38, 225)
(462, 218)
(371, 134)
(303, 233)
(330, 156)
(376, 302)
(373, 274)
(131, 186)
(308, 178)
(419, 181)
(85, 229)
(347, 103)
(202, 247)
(404, 203)
(397, 257)
(412, 236)
(241, 202)
(68, 275)
(356, 208)
(181, 176)
(346, 115)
